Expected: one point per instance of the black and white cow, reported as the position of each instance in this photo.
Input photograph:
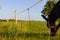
(52, 17)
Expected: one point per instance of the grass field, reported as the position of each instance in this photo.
(25, 30)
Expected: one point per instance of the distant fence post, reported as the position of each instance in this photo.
(15, 16)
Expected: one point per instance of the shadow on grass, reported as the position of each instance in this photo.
(36, 35)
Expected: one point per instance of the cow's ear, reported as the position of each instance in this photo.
(44, 17)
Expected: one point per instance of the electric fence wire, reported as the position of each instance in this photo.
(30, 7)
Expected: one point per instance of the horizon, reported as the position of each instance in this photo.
(20, 20)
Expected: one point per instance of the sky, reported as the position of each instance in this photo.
(9, 6)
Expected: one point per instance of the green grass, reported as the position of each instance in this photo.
(24, 30)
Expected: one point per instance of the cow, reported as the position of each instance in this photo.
(52, 17)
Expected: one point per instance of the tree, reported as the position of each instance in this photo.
(48, 7)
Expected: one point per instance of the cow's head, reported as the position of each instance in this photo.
(50, 25)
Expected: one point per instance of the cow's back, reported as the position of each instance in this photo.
(55, 12)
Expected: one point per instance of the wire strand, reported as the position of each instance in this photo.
(30, 6)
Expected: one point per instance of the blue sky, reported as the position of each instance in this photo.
(9, 6)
